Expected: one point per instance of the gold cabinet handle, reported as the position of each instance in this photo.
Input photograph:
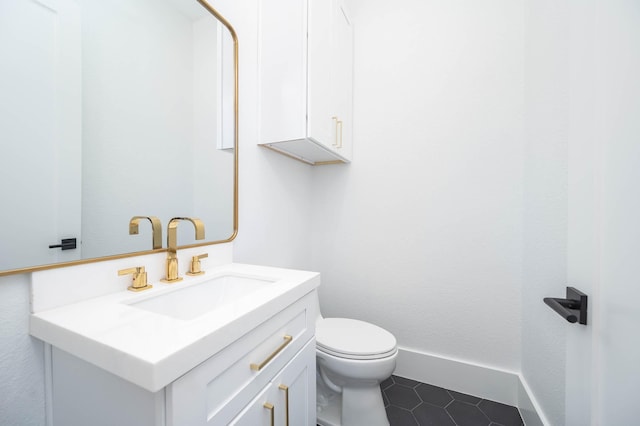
(286, 400)
(257, 367)
(339, 123)
(335, 141)
(269, 407)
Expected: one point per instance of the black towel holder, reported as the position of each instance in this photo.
(573, 308)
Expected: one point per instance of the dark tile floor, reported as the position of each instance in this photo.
(411, 403)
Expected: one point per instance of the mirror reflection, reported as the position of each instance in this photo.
(112, 110)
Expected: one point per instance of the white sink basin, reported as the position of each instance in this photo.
(191, 302)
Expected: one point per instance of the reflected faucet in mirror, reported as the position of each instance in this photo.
(156, 228)
(172, 246)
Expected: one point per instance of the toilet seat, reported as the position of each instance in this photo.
(354, 339)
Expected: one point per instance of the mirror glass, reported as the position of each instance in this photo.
(110, 110)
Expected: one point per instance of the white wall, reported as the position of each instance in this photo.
(21, 357)
(422, 233)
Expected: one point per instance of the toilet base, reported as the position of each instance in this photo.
(366, 408)
(329, 415)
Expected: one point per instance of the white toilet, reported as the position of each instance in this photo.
(353, 358)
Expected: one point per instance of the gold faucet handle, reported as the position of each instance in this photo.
(195, 264)
(139, 278)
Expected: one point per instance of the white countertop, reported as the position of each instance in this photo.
(152, 350)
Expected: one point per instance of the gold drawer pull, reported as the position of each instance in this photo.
(285, 388)
(257, 367)
(269, 407)
(339, 123)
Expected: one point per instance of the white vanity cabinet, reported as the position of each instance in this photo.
(273, 363)
(306, 89)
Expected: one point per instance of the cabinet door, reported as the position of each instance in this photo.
(320, 125)
(290, 397)
(306, 80)
(283, 70)
(342, 80)
(261, 411)
(330, 71)
(296, 384)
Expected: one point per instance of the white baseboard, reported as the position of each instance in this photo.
(484, 382)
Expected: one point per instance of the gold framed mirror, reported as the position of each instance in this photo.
(114, 110)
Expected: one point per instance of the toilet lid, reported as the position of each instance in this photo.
(350, 338)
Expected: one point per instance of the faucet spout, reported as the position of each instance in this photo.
(172, 245)
(156, 228)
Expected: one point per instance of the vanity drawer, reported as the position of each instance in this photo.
(218, 389)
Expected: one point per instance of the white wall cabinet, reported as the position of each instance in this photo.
(306, 87)
(223, 390)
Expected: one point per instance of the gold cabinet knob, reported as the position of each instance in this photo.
(195, 264)
(139, 278)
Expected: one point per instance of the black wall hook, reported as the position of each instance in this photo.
(573, 308)
(65, 244)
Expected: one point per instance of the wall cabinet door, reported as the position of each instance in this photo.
(342, 80)
(289, 399)
(319, 74)
(330, 75)
(283, 70)
(306, 64)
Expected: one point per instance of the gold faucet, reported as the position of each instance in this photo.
(139, 278)
(156, 227)
(195, 265)
(172, 246)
